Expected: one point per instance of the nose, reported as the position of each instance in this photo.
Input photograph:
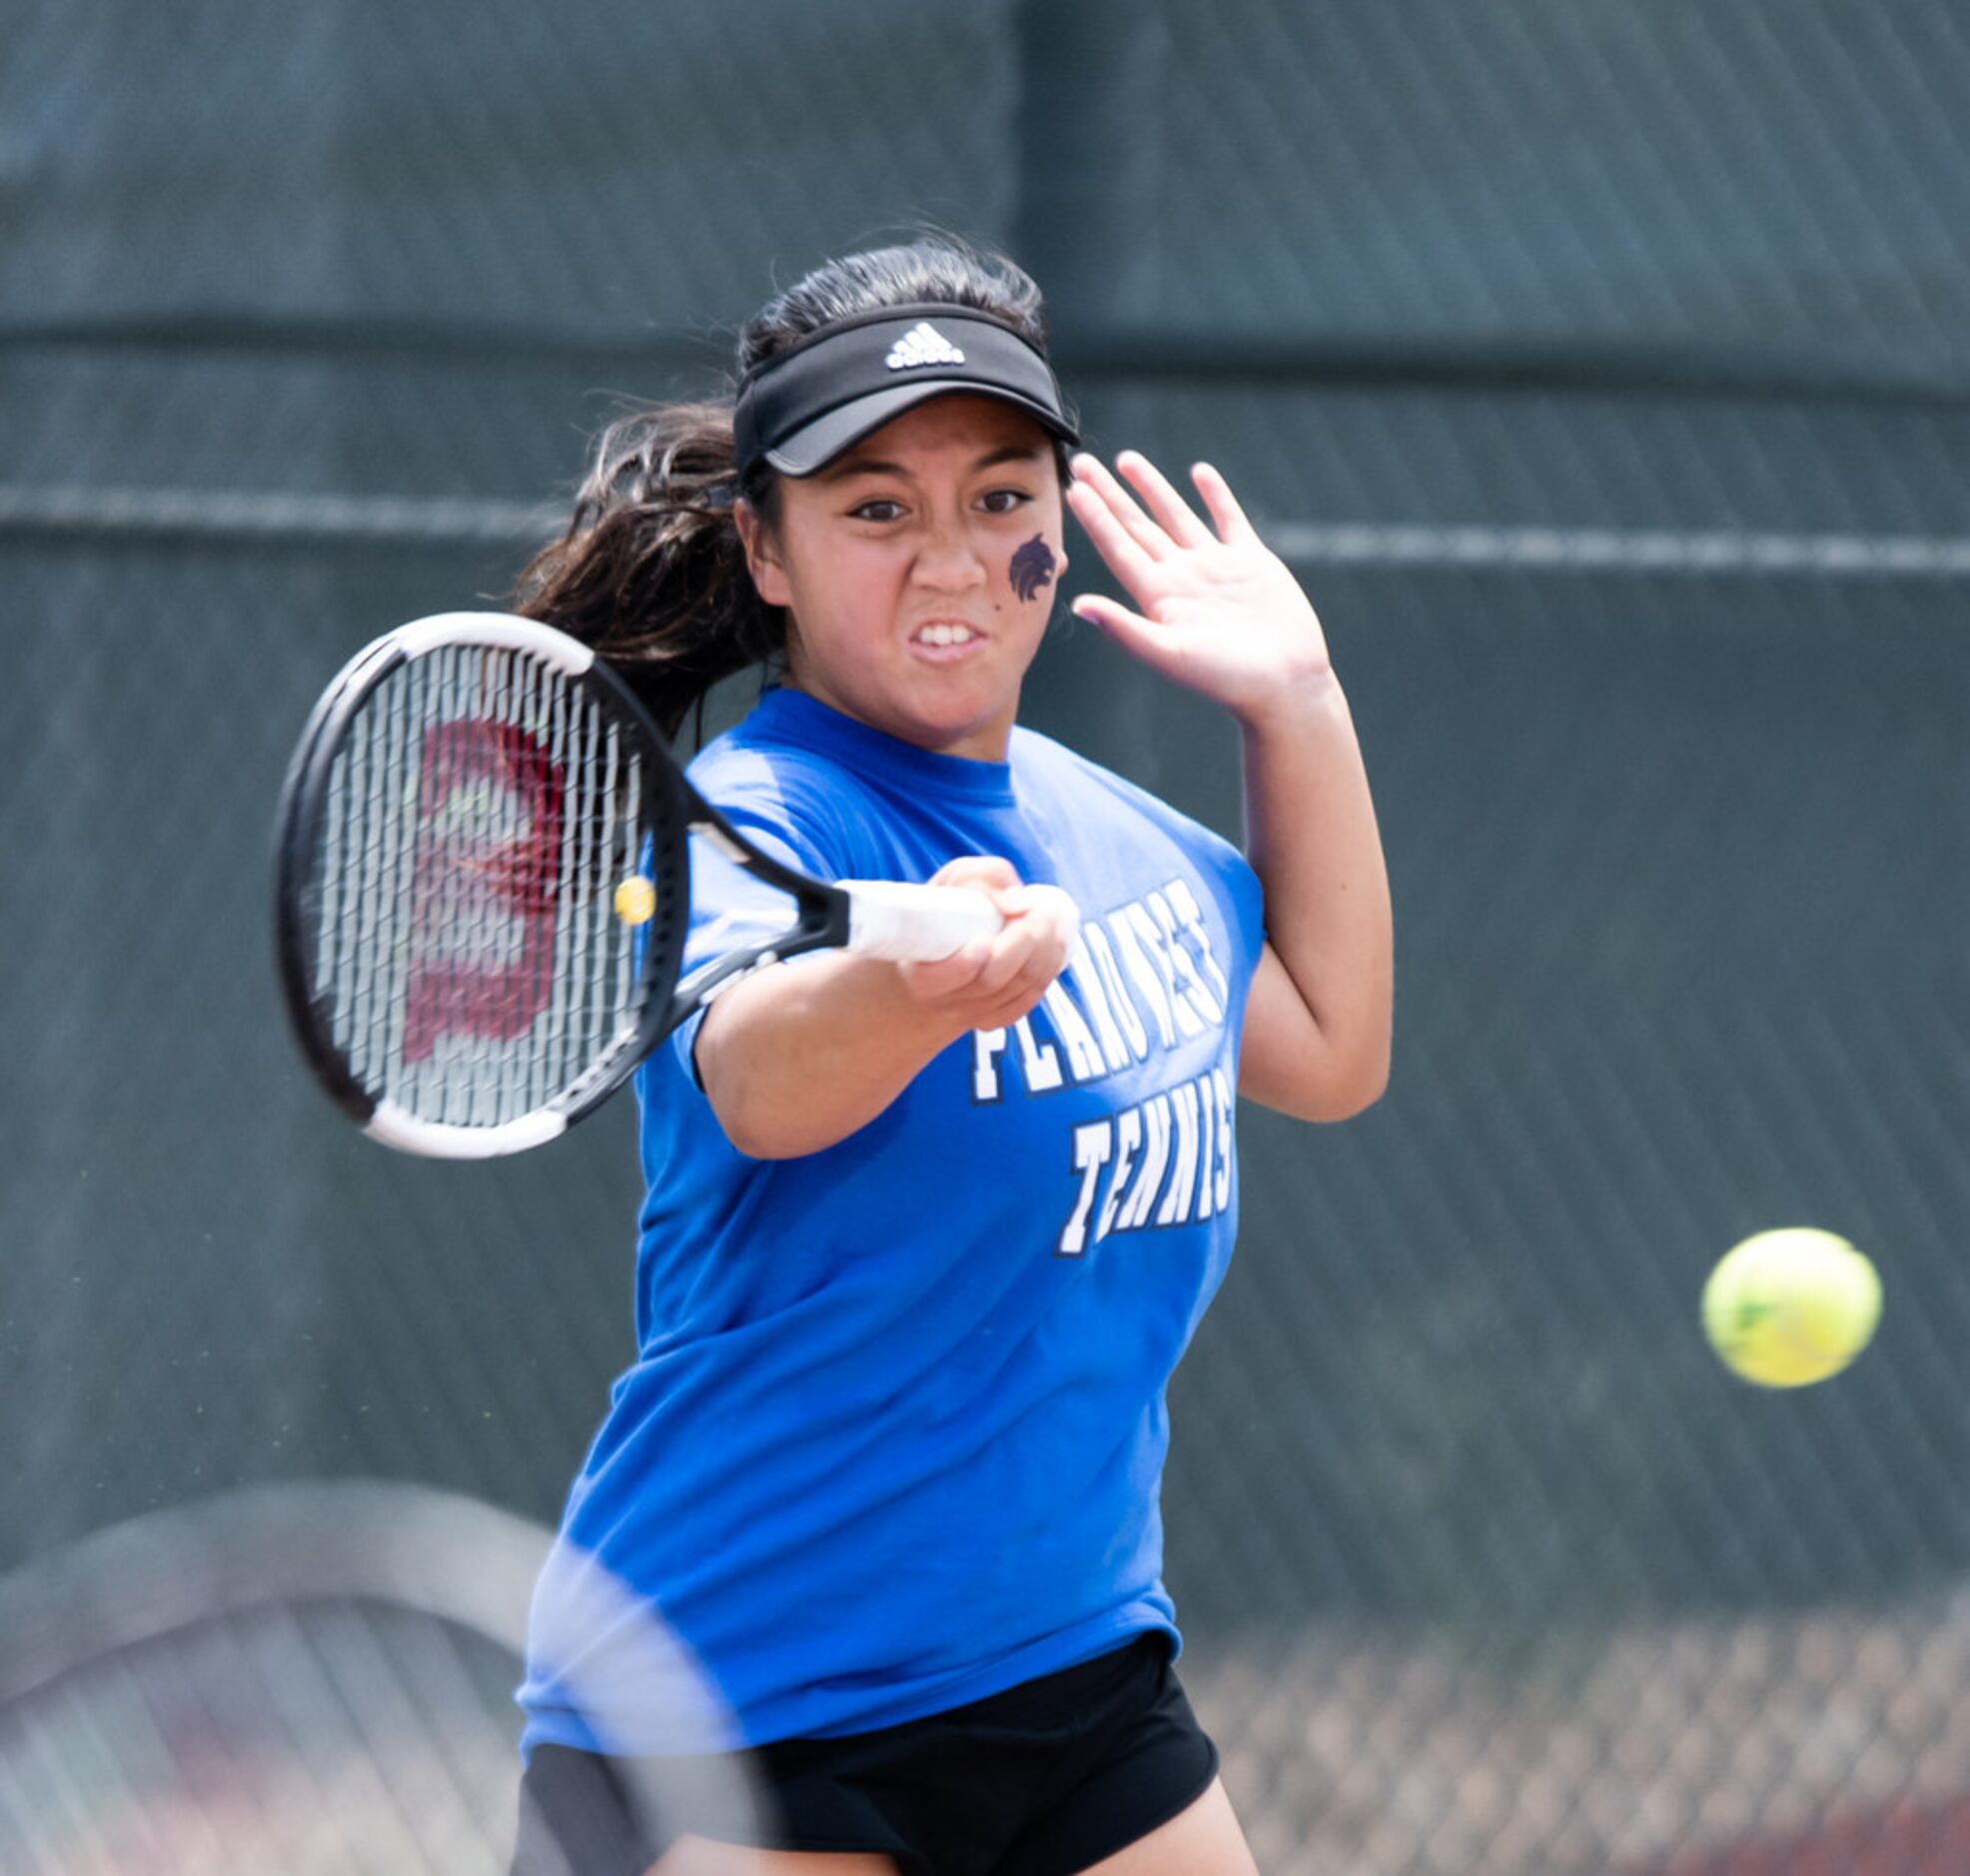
(948, 560)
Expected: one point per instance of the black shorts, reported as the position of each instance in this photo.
(1040, 1780)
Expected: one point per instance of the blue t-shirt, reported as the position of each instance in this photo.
(895, 1434)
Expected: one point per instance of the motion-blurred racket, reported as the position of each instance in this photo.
(484, 888)
(313, 1680)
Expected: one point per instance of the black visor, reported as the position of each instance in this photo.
(801, 407)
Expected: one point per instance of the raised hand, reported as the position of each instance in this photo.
(1215, 609)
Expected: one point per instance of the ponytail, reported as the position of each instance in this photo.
(650, 570)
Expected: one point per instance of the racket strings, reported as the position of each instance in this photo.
(329, 1738)
(478, 814)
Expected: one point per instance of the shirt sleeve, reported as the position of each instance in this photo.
(784, 818)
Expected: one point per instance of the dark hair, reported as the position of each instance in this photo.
(650, 570)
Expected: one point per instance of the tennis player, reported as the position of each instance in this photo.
(922, 1244)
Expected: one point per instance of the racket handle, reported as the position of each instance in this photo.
(908, 923)
(890, 919)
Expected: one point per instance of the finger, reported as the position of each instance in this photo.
(932, 980)
(1151, 642)
(1041, 922)
(1131, 563)
(1010, 1001)
(989, 875)
(1047, 907)
(1221, 504)
(1028, 943)
(1093, 473)
(1021, 999)
(1046, 921)
(1173, 514)
(989, 871)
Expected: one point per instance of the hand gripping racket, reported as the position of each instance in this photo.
(483, 888)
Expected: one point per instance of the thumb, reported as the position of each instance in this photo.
(1142, 636)
(986, 870)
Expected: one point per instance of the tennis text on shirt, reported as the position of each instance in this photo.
(1140, 980)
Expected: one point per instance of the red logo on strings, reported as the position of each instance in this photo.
(485, 881)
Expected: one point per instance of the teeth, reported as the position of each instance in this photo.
(947, 635)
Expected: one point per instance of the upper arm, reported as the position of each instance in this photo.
(1287, 1061)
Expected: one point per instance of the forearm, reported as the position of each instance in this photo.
(799, 1056)
(1223, 614)
(1317, 1041)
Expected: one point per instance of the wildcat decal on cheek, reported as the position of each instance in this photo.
(1032, 567)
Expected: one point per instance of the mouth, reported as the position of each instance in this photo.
(945, 637)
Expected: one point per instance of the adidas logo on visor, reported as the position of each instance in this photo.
(923, 343)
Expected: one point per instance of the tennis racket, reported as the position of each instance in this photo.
(318, 1680)
(484, 879)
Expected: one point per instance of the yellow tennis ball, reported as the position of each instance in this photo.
(635, 901)
(1790, 1306)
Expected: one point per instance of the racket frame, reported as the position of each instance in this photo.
(825, 915)
(87, 1616)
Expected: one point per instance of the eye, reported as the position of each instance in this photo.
(876, 508)
(1003, 500)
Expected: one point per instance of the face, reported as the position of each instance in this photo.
(917, 572)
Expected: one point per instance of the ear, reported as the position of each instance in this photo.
(1056, 533)
(762, 555)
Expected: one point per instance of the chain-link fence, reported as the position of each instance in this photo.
(1603, 371)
